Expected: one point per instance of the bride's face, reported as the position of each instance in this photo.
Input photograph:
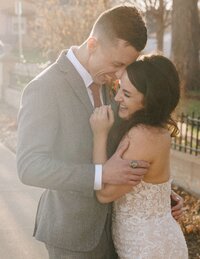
(129, 98)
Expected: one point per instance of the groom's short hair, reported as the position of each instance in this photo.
(122, 22)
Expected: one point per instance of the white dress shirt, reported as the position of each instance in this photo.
(88, 81)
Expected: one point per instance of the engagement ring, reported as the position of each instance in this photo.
(133, 164)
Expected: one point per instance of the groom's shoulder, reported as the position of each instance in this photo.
(52, 74)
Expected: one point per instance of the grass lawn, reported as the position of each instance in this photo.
(189, 105)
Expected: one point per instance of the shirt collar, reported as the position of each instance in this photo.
(79, 67)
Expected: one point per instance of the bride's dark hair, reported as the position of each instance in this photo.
(157, 79)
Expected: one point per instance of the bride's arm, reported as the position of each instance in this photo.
(101, 122)
(138, 149)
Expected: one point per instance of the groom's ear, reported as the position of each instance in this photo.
(92, 44)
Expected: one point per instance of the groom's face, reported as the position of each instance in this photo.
(108, 61)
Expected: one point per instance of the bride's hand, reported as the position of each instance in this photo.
(102, 120)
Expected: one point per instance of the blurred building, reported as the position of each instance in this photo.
(9, 22)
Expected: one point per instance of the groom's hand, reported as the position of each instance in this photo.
(177, 205)
(119, 171)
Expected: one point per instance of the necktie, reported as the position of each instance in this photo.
(96, 95)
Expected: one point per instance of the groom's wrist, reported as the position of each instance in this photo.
(98, 177)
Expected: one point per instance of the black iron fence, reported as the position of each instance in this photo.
(188, 141)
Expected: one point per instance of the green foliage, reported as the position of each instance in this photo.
(190, 103)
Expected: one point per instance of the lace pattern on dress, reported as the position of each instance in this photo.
(143, 227)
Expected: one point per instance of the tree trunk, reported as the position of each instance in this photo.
(160, 26)
(160, 36)
(185, 42)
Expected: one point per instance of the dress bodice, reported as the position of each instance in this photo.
(143, 227)
(145, 200)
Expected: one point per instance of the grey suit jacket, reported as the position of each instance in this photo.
(55, 152)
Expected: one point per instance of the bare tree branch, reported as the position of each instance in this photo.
(150, 3)
(57, 26)
(167, 24)
(156, 3)
(166, 16)
(146, 4)
(153, 2)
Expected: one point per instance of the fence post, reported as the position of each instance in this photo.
(188, 140)
(192, 132)
(181, 131)
(186, 133)
(197, 136)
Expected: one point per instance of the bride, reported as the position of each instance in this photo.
(142, 224)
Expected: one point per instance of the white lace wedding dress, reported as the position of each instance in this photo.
(143, 227)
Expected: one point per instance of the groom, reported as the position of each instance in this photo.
(55, 140)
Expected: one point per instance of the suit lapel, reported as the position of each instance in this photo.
(74, 80)
(77, 84)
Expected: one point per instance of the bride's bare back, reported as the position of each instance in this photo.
(153, 145)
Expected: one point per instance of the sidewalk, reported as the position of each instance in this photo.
(18, 204)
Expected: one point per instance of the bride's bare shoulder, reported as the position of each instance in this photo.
(147, 135)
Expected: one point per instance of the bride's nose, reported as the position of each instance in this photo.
(118, 96)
